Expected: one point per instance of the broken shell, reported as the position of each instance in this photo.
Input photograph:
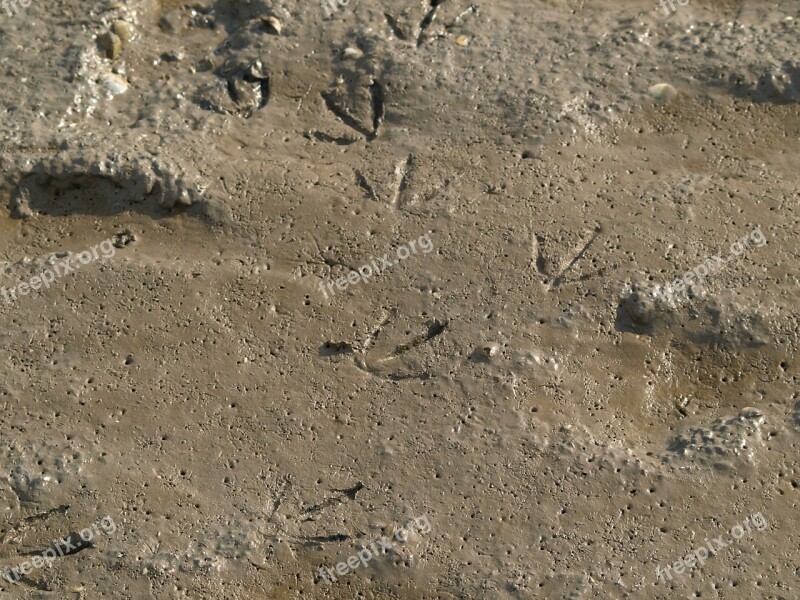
(110, 43)
(114, 83)
(662, 92)
(273, 24)
(462, 40)
(352, 53)
(748, 412)
(123, 29)
(256, 71)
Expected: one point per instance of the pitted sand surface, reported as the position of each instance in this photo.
(566, 429)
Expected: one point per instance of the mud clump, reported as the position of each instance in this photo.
(725, 441)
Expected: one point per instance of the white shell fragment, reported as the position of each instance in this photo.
(352, 53)
(273, 24)
(114, 83)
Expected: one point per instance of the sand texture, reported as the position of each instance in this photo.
(491, 300)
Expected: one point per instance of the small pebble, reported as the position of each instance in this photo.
(462, 40)
(123, 29)
(110, 43)
(352, 53)
(273, 24)
(662, 92)
(640, 309)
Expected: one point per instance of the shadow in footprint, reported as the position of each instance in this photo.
(102, 195)
(335, 348)
(76, 195)
(781, 87)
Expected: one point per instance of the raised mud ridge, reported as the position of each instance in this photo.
(83, 178)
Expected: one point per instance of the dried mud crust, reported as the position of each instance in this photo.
(736, 438)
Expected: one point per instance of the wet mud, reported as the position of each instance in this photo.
(569, 411)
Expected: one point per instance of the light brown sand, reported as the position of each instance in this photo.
(200, 389)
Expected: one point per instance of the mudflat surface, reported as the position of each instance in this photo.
(519, 396)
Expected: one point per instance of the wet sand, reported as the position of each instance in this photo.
(248, 416)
